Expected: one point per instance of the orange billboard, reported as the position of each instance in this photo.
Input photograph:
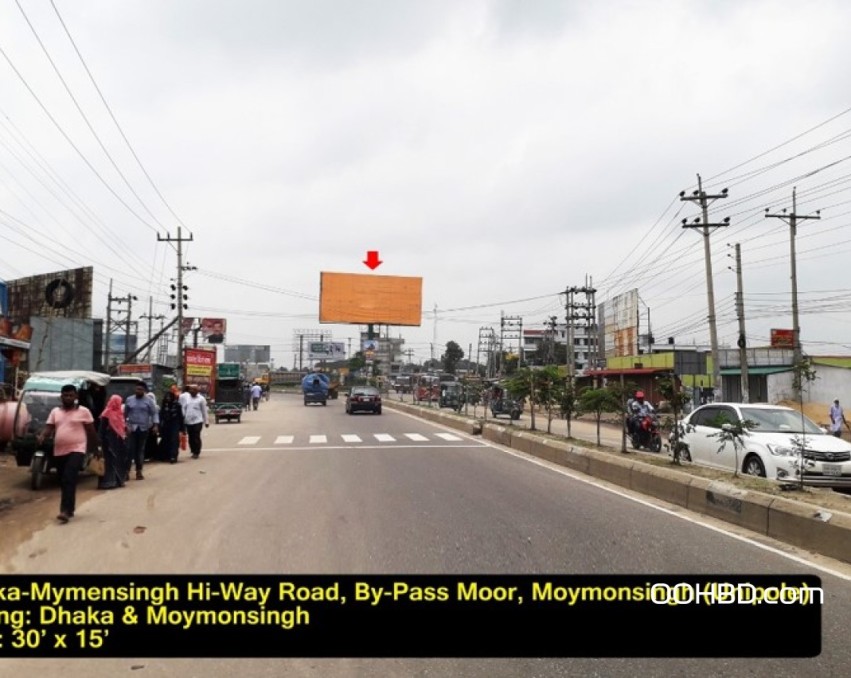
(361, 299)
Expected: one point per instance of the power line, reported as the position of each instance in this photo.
(130, 263)
(114, 120)
(72, 144)
(84, 116)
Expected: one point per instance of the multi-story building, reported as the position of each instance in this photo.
(538, 346)
(386, 352)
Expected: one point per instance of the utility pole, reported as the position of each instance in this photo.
(551, 341)
(700, 197)
(435, 332)
(130, 299)
(740, 313)
(180, 297)
(568, 318)
(792, 219)
(113, 326)
(108, 328)
(511, 328)
(586, 311)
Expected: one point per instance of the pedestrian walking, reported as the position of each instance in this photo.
(73, 431)
(195, 418)
(152, 446)
(113, 433)
(837, 418)
(256, 393)
(142, 418)
(171, 426)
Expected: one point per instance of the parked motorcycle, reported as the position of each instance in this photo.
(645, 433)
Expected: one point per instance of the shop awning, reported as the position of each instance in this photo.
(773, 369)
(626, 371)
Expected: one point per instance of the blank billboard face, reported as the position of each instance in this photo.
(361, 299)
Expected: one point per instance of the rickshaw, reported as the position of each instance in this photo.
(41, 393)
(501, 402)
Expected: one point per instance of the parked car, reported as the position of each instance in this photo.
(363, 399)
(771, 449)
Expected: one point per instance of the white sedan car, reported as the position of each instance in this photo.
(780, 443)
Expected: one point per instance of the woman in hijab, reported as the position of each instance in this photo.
(171, 424)
(113, 432)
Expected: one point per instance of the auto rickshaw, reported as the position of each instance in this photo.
(451, 395)
(501, 402)
(41, 393)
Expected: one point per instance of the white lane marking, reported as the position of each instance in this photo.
(249, 440)
(382, 447)
(448, 436)
(284, 440)
(318, 439)
(351, 438)
(416, 437)
(384, 438)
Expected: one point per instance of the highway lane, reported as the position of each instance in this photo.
(296, 489)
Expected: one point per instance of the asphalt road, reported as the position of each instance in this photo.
(311, 490)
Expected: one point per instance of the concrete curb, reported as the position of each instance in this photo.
(802, 525)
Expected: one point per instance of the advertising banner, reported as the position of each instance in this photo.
(143, 371)
(213, 330)
(14, 336)
(121, 345)
(199, 367)
(362, 299)
(248, 353)
(782, 338)
(326, 350)
(66, 294)
(620, 325)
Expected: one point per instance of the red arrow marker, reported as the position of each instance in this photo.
(372, 259)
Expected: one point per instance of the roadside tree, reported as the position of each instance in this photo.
(451, 356)
(598, 401)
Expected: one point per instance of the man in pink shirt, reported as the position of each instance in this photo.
(73, 432)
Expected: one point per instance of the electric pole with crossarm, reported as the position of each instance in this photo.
(179, 298)
(700, 197)
(792, 219)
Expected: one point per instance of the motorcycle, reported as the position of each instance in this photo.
(645, 433)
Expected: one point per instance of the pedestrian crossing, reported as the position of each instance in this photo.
(351, 438)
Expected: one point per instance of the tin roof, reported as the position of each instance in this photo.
(54, 381)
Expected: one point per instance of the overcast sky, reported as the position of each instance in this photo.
(502, 150)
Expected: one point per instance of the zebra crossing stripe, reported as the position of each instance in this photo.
(447, 436)
(417, 437)
(317, 439)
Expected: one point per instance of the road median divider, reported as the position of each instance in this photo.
(800, 524)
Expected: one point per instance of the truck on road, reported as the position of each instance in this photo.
(315, 386)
